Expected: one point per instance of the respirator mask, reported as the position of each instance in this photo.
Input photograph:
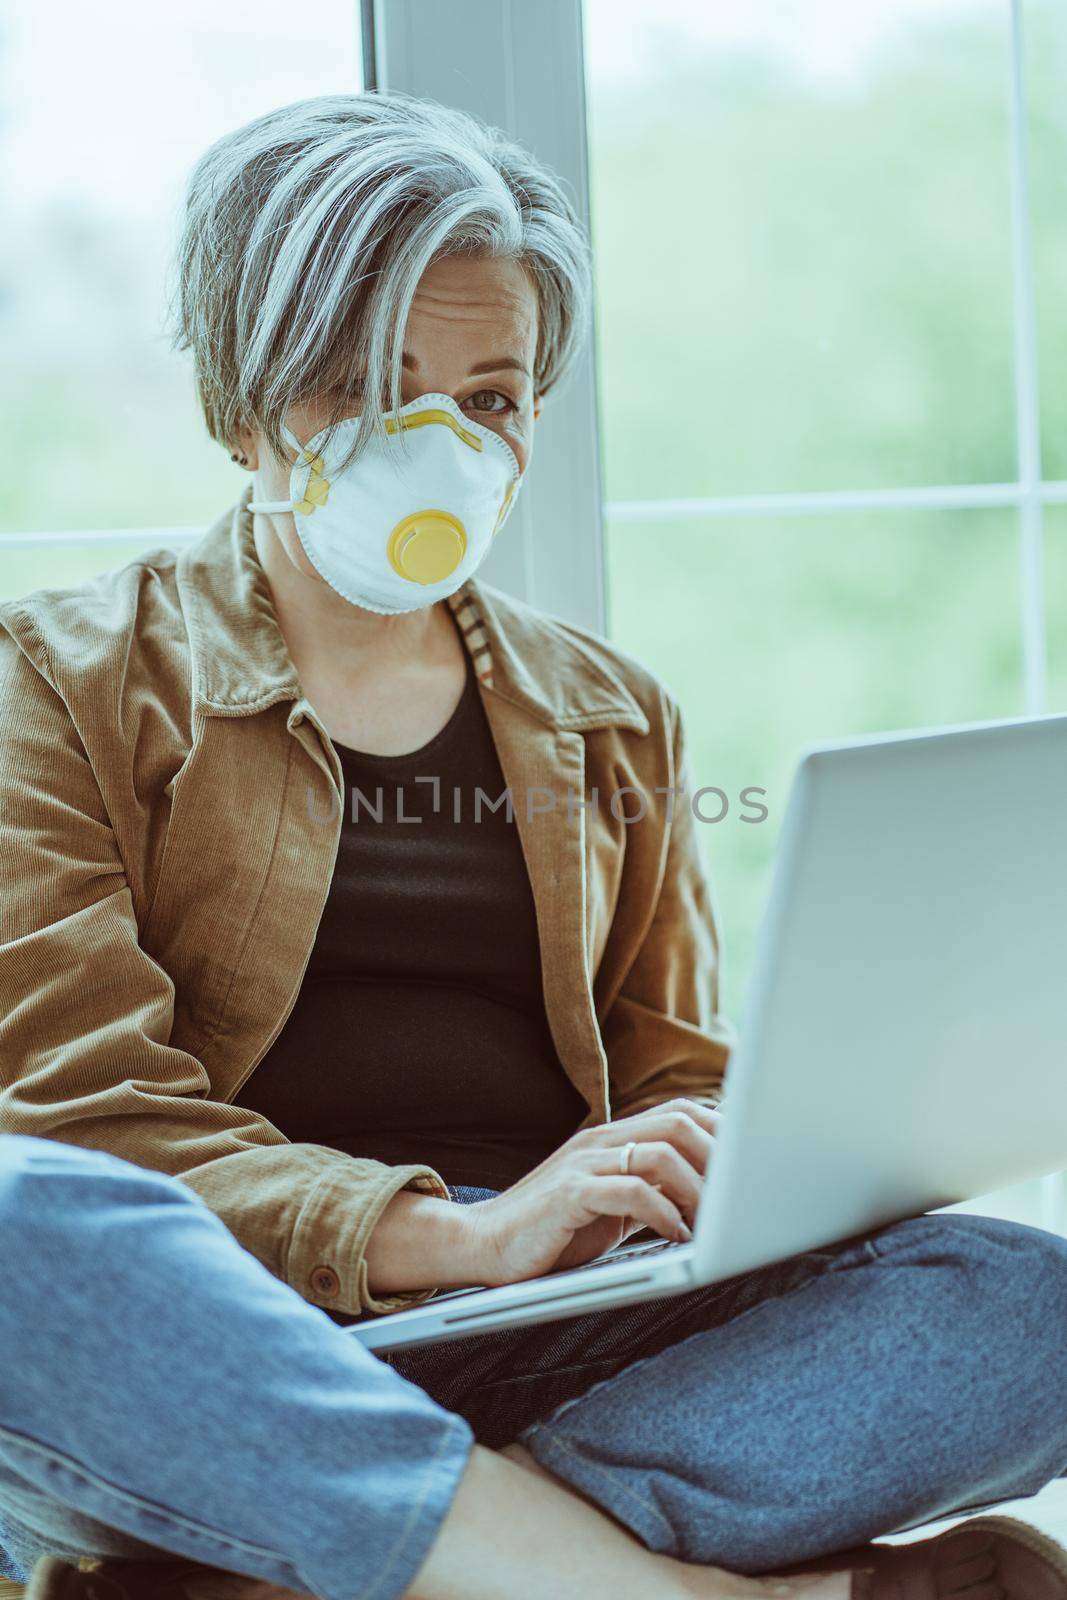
(409, 521)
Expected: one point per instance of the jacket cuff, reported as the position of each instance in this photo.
(326, 1256)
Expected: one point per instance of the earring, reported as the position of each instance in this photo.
(244, 459)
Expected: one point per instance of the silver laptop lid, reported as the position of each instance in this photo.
(903, 1043)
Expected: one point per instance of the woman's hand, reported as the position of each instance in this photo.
(578, 1202)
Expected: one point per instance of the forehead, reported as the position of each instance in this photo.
(475, 292)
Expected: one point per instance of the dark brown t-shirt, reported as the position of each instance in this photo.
(420, 1033)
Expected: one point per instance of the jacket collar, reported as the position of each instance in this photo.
(553, 670)
(241, 663)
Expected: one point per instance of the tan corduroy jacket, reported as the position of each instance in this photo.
(170, 810)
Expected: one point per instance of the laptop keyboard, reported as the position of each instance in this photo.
(620, 1253)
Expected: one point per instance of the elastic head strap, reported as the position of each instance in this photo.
(269, 505)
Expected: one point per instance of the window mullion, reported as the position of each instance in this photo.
(520, 67)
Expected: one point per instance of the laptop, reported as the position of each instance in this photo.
(903, 1042)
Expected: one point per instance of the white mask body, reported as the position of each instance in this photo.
(409, 522)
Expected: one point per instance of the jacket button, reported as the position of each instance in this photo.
(325, 1282)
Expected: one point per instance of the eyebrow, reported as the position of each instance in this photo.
(486, 364)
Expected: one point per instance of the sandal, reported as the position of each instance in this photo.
(984, 1558)
(174, 1579)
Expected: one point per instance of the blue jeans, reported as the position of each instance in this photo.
(161, 1391)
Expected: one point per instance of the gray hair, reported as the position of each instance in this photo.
(306, 233)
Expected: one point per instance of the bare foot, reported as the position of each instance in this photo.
(716, 1583)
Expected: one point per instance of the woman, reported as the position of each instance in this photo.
(343, 887)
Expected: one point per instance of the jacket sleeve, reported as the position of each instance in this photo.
(86, 1016)
(664, 1034)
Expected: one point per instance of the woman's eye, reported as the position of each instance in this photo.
(482, 394)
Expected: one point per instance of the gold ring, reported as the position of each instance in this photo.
(625, 1154)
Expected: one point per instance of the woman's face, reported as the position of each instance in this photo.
(471, 334)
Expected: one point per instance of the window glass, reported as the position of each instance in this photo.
(1056, 604)
(1045, 35)
(105, 109)
(775, 633)
(57, 562)
(803, 259)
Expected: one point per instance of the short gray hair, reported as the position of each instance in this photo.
(305, 235)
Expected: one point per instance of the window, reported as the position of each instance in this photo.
(830, 264)
(105, 111)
